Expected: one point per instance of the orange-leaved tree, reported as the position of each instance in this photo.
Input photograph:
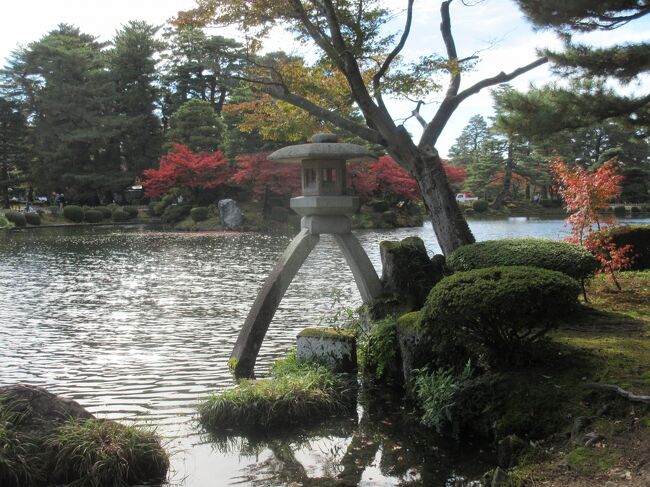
(187, 170)
(587, 196)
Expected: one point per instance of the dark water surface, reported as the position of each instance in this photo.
(138, 324)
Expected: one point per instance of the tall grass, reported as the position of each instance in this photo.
(17, 452)
(294, 394)
(89, 452)
(104, 453)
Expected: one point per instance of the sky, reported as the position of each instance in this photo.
(493, 29)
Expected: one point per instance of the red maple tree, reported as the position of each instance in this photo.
(182, 168)
(587, 195)
(255, 170)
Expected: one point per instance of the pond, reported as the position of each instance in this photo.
(138, 324)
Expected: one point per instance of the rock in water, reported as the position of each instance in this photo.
(38, 406)
(230, 214)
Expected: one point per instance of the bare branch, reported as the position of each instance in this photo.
(418, 117)
(621, 392)
(450, 103)
(500, 78)
(393, 54)
(450, 45)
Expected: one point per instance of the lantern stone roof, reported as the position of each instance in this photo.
(323, 147)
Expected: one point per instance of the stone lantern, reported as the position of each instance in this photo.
(324, 207)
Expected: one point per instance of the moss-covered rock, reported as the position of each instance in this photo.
(407, 271)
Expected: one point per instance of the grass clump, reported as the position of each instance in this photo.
(17, 452)
(295, 393)
(105, 453)
(592, 460)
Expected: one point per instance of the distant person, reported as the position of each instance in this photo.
(29, 208)
(59, 200)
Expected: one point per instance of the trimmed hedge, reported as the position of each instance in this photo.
(16, 217)
(33, 218)
(480, 206)
(175, 213)
(570, 259)
(93, 216)
(494, 313)
(199, 214)
(638, 236)
(73, 213)
(105, 210)
(132, 211)
(120, 216)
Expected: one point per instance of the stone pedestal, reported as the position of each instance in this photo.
(333, 347)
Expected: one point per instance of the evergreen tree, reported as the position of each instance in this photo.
(623, 62)
(195, 125)
(198, 66)
(13, 153)
(63, 84)
(465, 150)
(133, 70)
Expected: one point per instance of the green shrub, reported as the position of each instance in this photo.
(638, 236)
(120, 216)
(619, 210)
(105, 211)
(33, 218)
(570, 259)
(380, 350)
(73, 213)
(635, 209)
(494, 313)
(5, 223)
(480, 206)
(93, 216)
(294, 394)
(175, 213)
(158, 208)
(104, 453)
(16, 217)
(132, 211)
(199, 213)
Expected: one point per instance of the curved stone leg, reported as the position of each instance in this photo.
(259, 317)
(364, 273)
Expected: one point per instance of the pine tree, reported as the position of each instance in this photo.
(132, 66)
(13, 152)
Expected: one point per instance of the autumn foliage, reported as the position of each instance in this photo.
(182, 168)
(587, 195)
(281, 178)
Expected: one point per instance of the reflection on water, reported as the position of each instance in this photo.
(135, 323)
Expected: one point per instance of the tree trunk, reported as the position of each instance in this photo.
(4, 179)
(447, 219)
(507, 179)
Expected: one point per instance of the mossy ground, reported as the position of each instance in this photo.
(608, 343)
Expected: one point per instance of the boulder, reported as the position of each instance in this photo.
(37, 406)
(230, 214)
